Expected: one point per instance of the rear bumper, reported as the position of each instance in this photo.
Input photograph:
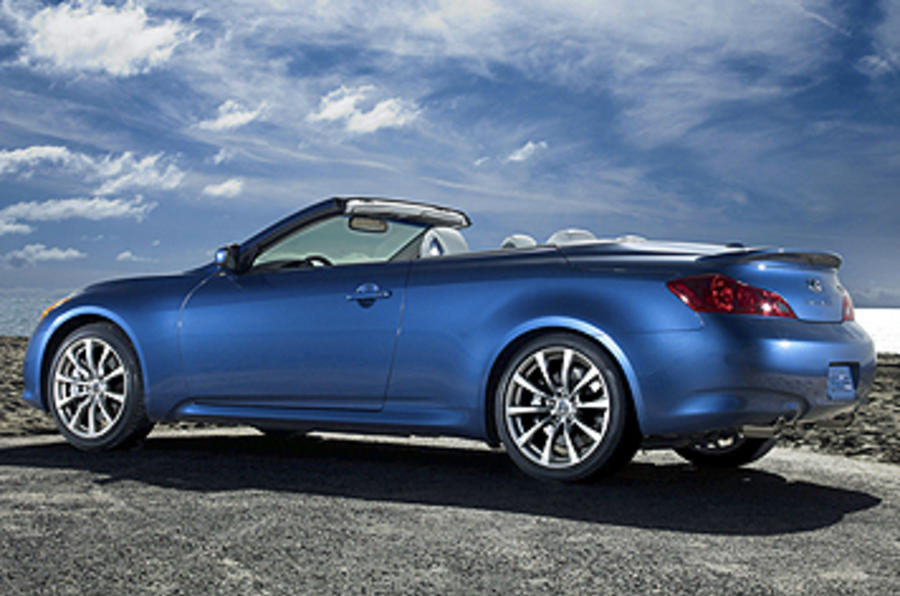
(740, 371)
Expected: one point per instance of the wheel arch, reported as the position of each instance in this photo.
(525, 333)
(72, 321)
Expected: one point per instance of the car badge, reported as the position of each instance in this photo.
(814, 284)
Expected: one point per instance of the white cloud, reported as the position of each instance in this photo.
(738, 196)
(36, 253)
(527, 151)
(668, 62)
(115, 172)
(15, 160)
(481, 161)
(390, 113)
(128, 256)
(442, 17)
(88, 35)
(12, 227)
(874, 66)
(95, 208)
(222, 156)
(818, 17)
(886, 44)
(229, 188)
(232, 115)
(125, 172)
(341, 104)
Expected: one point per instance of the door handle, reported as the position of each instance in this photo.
(369, 295)
(369, 292)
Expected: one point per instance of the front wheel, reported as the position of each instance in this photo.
(728, 450)
(562, 412)
(94, 389)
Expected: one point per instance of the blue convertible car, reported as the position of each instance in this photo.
(371, 315)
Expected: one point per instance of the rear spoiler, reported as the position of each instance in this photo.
(815, 258)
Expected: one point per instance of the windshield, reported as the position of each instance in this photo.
(341, 240)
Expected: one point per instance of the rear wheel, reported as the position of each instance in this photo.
(562, 412)
(728, 450)
(94, 389)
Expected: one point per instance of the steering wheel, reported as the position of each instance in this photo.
(318, 261)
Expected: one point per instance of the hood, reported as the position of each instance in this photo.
(151, 284)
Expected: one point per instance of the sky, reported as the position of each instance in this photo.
(137, 137)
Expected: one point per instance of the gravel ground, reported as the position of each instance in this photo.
(229, 511)
(874, 434)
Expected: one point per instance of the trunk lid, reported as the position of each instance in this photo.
(806, 279)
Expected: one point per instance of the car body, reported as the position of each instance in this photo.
(398, 328)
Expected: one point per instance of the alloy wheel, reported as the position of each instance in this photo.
(90, 388)
(557, 407)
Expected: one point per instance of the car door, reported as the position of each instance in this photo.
(312, 324)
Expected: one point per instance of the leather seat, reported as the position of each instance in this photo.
(571, 236)
(518, 241)
(439, 242)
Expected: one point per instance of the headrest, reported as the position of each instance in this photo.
(571, 236)
(439, 242)
(519, 241)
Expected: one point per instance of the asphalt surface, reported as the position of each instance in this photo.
(232, 512)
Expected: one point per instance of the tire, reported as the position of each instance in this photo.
(565, 428)
(94, 390)
(726, 451)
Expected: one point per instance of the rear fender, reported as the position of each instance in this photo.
(556, 323)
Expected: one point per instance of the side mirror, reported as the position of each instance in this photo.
(227, 257)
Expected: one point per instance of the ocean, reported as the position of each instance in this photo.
(883, 324)
(20, 309)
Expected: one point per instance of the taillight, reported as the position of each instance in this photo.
(719, 293)
(847, 312)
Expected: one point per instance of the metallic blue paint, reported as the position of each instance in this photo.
(290, 349)
(293, 338)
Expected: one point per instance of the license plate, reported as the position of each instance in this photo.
(840, 382)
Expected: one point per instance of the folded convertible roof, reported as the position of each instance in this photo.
(406, 211)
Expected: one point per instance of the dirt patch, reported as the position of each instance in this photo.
(874, 434)
(17, 417)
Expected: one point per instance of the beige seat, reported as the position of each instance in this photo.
(518, 241)
(571, 236)
(439, 242)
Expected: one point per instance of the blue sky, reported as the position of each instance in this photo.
(137, 137)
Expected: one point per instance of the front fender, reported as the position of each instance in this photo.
(52, 330)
